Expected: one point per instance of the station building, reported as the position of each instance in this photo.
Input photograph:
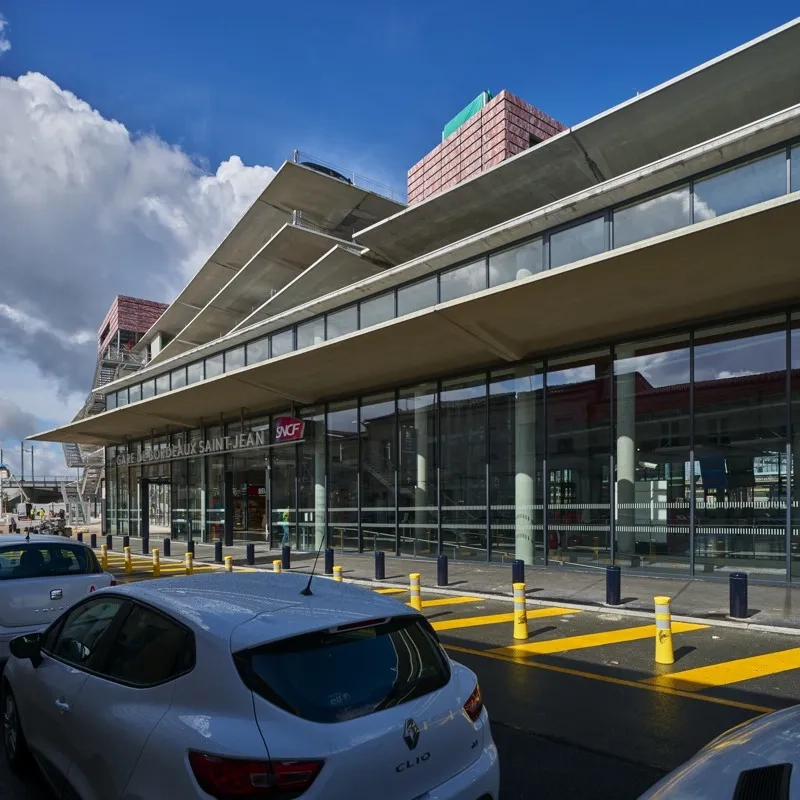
(574, 345)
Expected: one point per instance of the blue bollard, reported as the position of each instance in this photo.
(126, 541)
(166, 547)
(80, 536)
(517, 571)
(286, 557)
(329, 561)
(250, 551)
(380, 565)
(110, 542)
(190, 547)
(441, 570)
(613, 585)
(738, 594)
(217, 552)
(145, 545)
(93, 541)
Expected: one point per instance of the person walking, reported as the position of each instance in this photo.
(285, 526)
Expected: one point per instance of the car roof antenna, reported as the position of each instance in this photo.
(307, 591)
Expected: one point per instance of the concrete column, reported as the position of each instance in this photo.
(319, 483)
(421, 412)
(625, 399)
(525, 470)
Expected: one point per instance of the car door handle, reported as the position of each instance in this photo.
(56, 594)
(62, 706)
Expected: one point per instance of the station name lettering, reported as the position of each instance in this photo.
(219, 444)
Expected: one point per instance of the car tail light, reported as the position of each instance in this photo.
(474, 704)
(227, 778)
(113, 582)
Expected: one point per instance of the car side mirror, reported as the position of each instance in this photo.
(28, 646)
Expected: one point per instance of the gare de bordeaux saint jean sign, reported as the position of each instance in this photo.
(286, 430)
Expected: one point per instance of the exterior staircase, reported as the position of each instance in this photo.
(77, 510)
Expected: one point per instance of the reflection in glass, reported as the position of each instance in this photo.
(417, 499)
(234, 359)
(578, 458)
(148, 389)
(162, 384)
(794, 469)
(652, 217)
(740, 446)
(111, 489)
(378, 472)
(416, 297)
(123, 494)
(377, 310)
(653, 484)
(462, 281)
(122, 398)
(516, 442)
(340, 323)
(194, 372)
(795, 167)
(282, 343)
(111, 401)
(311, 481)
(311, 333)
(740, 187)
(343, 475)
(462, 445)
(257, 351)
(516, 263)
(215, 497)
(215, 365)
(580, 241)
(178, 378)
(135, 393)
(283, 493)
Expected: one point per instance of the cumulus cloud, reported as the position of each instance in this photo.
(5, 44)
(89, 210)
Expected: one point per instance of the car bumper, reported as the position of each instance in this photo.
(479, 781)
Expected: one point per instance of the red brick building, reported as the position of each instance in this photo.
(127, 320)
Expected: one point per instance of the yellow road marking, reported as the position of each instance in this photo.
(390, 591)
(741, 669)
(494, 619)
(448, 601)
(593, 639)
(608, 679)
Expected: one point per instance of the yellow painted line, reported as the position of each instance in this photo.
(449, 601)
(390, 591)
(726, 672)
(609, 679)
(494, 619)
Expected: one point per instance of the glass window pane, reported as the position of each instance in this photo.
(148, 389)
(258, 351)
(740, 187)
(234, 359)
(178, 378)
(111, 401)
(416, 480)
(311, 333)
(462, 281)
(579, 487)
(342, 428)
(794, 469)
(377, 310)
(81, 637)
(215, 365)
(311, 498)
(516, 439)
(740, 447)
(580, 241)
(416, 297)
(340, 323)
(516, 263)
(653, 484)
(135, 393)
(795, 167)
(122, 397)
(282, 342)
(194, 372)
(462, 419)
(378, 471)
(652, 217)
(162, 384)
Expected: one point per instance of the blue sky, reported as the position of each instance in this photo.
(366, 85)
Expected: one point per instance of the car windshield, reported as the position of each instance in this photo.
(45, 560)
(340, 674)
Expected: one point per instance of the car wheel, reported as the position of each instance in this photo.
(14, 745)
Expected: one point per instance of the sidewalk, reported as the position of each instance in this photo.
(707, 600)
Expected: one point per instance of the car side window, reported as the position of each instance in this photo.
(149, 648)
(84, 632)
(34, 560)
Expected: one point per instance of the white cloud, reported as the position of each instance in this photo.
(89, 210)
(5, 44)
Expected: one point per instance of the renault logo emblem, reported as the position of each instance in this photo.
(411, 734)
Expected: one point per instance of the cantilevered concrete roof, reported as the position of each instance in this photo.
(622, 293)
(287, 254)
(339, 267)
(331, 204)
(743, 85)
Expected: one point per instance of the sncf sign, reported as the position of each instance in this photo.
(289, 429)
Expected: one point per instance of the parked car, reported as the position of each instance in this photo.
(40, 577)
(228, 685)
(757, 759)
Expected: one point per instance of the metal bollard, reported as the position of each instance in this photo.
(167, 545)
(110, 542)
(251, 554)
(664, 652)
(517, 571)
(126, 541)
(286, 556)
(145, 545)
(228, 563)
(520, 612)
(613, 586)
(416, 598)
(128, 562)
(189, 563)
(217, 552)
(80, 536)
(737, 584)
(329, 561)
(337, 574)
(190, 546)
(380, 565)
(276, 565)
(441, 570)
(156, 563)
(93, 541)
(104, 556)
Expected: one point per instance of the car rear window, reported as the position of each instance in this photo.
(347, 672)
(45, 560)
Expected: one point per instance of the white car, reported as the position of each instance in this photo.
(759, 759)
(241, 685)
(40, 577)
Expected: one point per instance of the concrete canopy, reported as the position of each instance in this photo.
(746, 84)
(339, 267)
(744, 261)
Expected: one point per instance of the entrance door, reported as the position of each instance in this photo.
(283, 500)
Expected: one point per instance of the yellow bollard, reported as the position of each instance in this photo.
(156, 563)
(416, 599)
(520, 612)
(337, 574)
(128, 563)
(104, 556)
(664, 653)
(228, 563)
(276, 565)
(189, 563)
